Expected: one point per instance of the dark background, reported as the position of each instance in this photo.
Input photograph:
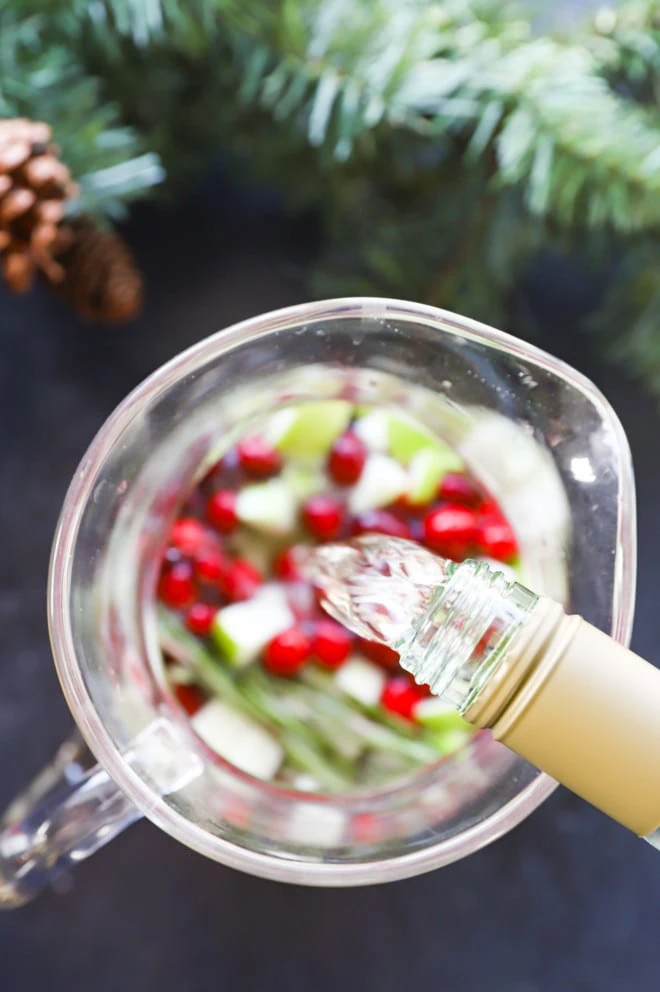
(568, 902)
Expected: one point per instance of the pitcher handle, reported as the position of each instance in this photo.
(69, 811)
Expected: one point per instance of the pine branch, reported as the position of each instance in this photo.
(41, 78)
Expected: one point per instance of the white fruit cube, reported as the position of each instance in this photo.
(361, 680)
(382, 481)
(270, 507)
(238, 739)
(242, 630)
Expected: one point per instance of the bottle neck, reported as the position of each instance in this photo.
(459, 646)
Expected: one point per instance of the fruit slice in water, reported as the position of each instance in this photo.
(426, 470)
(241, 631)
(361, 680)
(238, 739)
(407, 437)
(382, 481)
(270, 507)
(435, 714)
(402, 437)
(310, 429)
(373, 430)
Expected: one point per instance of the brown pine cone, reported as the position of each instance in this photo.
(100, 278)
(34, 189)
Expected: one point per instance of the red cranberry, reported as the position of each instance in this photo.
(347, 459)
(380, 522)
(457, 488)
(176, 587)
(450, 530)
(210, 565)
(323, 515)
(332, 643)
(285, 566)
(287, 653)
(199, 619)
(380, 654)
(240, 580)
(258, 458)
(496, 539)
(188, 535)
(189, 697)
(400, 696)
(221, 510)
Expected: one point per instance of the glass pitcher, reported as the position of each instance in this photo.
(540, 437)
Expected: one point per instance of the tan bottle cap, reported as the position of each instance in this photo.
(585, 710)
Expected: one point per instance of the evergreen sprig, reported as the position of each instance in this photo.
(443, 143)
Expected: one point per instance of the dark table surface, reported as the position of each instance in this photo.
(568, 902)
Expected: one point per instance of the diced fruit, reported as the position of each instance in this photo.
(373, 430)
(221, 510)
(243, 630)
(269, 507)
(287, 652)
(425, 471)
(304, 480)
(240, 580)
(347, 459)
(286, 565)
(324, 516)
(496, 539)
(238, 740)
(382, 481)
(380, 653)
(380, 522)
(199, 619)
(400, 696)
(361, 680)
(258, 458)
(332, 643)
(188, 535)
(189, 697)
(407, 437)
(435, 714)
(448, 742)
(458, 488)
(176, 587)
(210, 565)
(309, 429)
(450, 530)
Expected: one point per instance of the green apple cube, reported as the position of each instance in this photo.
(426, 470)
(270, 507)
(382, 481)
(304, 480)
(238, 739)
(374, 430)
(241, 631)
(361, 680)
(310, 429)
(407, 437)
(437, 715)
(448, 742)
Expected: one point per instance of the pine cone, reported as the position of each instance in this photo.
(100, 279)
(34, 189)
